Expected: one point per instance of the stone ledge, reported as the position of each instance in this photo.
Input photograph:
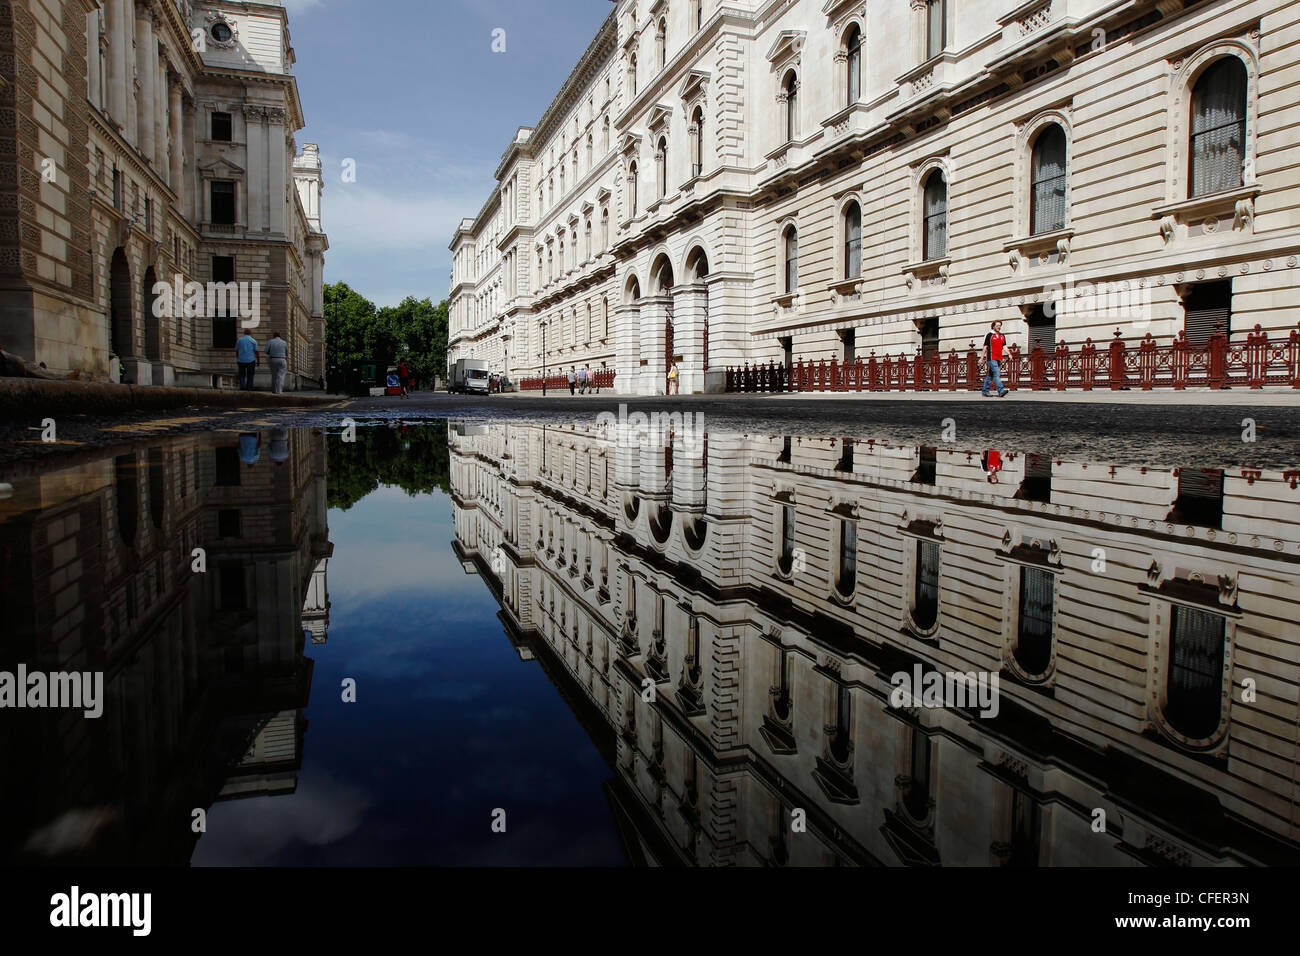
(31, 398)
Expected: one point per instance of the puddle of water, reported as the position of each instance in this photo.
(514, 643)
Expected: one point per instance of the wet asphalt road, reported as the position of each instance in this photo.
(1152, 434)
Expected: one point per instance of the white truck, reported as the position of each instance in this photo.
(469, 375)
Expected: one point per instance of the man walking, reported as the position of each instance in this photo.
(246, 360)
(582, 381)
(277, 350)
(995, 344)
(573, 380)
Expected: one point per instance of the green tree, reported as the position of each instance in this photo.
(414, 331)
(414, 458)
(419, 330)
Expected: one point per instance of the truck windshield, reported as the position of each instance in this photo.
(478, 373)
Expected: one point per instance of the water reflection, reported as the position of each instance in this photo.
(734, 613)
(191, 574)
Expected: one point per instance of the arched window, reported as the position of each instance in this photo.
(934, 235)
(699, 14)
(1218, 128)
(632, 189)
(791, 88)
(661, 43)
(925, 594)
(591, 149)
(631, 75)
(1194, 690)
(853, 45)
(697, 120)
(1047, 181)
(661, 167)
(846, 577)
(604, 136)
(852, 241)
(936, 27)
(791, 242)
(586, 241)
(1033, 649)
(785, 560)
(604, 317)
(604, 229)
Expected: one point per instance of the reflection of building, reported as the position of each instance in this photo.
(768, 589)
(148, 141)
(722, 182)
(205, 680)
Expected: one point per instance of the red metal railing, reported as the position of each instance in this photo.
(599, 379)
(1255, 361)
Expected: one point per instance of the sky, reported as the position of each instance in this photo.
(413, 93)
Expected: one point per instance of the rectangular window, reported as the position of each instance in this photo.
(117, 189)
(1037, 485)
(227, 464)
(234, 595)
(848, 556)
(928, 468)
(223, 202)
(1207, 311)
(1200, 497)
(222, 129)
(223, 268)
(228, 523)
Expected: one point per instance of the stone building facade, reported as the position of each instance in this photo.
(770, 589)
(206, 676)
(781, 179)
(152, 141)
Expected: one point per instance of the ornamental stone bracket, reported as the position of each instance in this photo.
(1229, 211)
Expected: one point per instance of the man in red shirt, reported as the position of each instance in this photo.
(995, 345)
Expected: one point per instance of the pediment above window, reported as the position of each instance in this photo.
(693, 86)
(659, 116)
(604, 195)
(221, 168)
(787, 47)
(631, 144)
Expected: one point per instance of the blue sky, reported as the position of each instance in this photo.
(411, 90)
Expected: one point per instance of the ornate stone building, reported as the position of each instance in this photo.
(153, 141)
(206, 676)
(775, 179)
(769, 589)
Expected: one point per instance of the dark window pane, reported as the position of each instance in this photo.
(223, 203)
(1195, 687)
(1218, 140)
(1034, 643)
(925, 610)
(221, 127)
(1047, 178)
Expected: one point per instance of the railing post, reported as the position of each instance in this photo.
(1218, 360)
(1257, 357)
(1037, 368)
(972, 370)
(1118, 374)
(1061, 361)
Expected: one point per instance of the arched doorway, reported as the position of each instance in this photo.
(662, 284)
(119, 304)
(697, 270)
(152, 327)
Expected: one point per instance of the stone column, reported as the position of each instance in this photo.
(690, 311)
(278, 157)
(189, 189)
(920, 38)
(118, 48)
(627, 347)
(146, 58)
(653, 377)
(176, 136)
(255, 176)
(728, 324)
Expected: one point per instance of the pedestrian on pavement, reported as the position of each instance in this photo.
(582, 381)
(573, 380)
(250, 448)
(601, 372)
(591, 377)
(246, 360)
(277, 351)
(995, 344)
(673, 386)
(404, 377)
(279, 445)
(991, 462)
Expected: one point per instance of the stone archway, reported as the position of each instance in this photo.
(121, 317)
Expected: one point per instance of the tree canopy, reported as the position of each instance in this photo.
(356, 332)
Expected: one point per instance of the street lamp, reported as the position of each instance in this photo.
(543, 325)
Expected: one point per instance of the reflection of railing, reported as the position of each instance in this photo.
(1253, 362)
(601, 379)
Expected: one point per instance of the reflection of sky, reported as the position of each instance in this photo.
(448, 723)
